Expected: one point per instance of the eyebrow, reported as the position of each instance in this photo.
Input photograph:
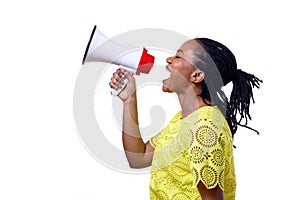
(179, 51)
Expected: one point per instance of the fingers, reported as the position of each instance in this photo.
(117, 80)
(127, 74)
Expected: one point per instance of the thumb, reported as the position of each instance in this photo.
(128, 75)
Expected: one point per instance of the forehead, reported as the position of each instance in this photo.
(191, 50)
(191, 45)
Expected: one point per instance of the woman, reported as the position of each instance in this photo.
(192, 157)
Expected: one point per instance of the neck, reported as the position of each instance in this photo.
(190, 102)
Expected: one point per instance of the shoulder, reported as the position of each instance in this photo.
(207, 115)
(208, 125)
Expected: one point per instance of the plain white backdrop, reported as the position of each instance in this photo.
(41, 48)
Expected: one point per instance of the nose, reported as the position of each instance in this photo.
(169, 60)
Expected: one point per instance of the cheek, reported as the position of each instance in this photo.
(187, 70)
(181, 79)
(182, 71)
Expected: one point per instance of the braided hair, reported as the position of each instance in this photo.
(218, 60)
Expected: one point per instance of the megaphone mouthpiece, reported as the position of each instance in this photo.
(146, 63)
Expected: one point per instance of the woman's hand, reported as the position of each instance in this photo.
(117, 81)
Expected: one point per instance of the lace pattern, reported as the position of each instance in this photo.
(197, 148)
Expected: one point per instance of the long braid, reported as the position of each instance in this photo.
(243, 83)
(242, 94)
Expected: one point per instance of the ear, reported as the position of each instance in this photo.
(197, 76)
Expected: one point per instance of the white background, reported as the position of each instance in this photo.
(41, 47)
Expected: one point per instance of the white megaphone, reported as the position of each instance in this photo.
(133, 59)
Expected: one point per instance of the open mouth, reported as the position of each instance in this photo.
(168, 72)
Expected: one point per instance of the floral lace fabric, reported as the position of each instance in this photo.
(196, 148)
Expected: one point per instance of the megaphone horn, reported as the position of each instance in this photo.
(131, 58)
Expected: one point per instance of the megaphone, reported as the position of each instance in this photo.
(131, 58)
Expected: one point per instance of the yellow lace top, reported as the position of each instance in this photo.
(196, 148)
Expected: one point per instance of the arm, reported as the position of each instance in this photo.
(138, 153)
(210, 194)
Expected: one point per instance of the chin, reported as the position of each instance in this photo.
(166, 89)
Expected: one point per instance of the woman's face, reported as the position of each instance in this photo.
(181, 67)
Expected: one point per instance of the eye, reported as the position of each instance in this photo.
(177, 56)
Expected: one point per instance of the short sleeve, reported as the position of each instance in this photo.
(206, 153)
